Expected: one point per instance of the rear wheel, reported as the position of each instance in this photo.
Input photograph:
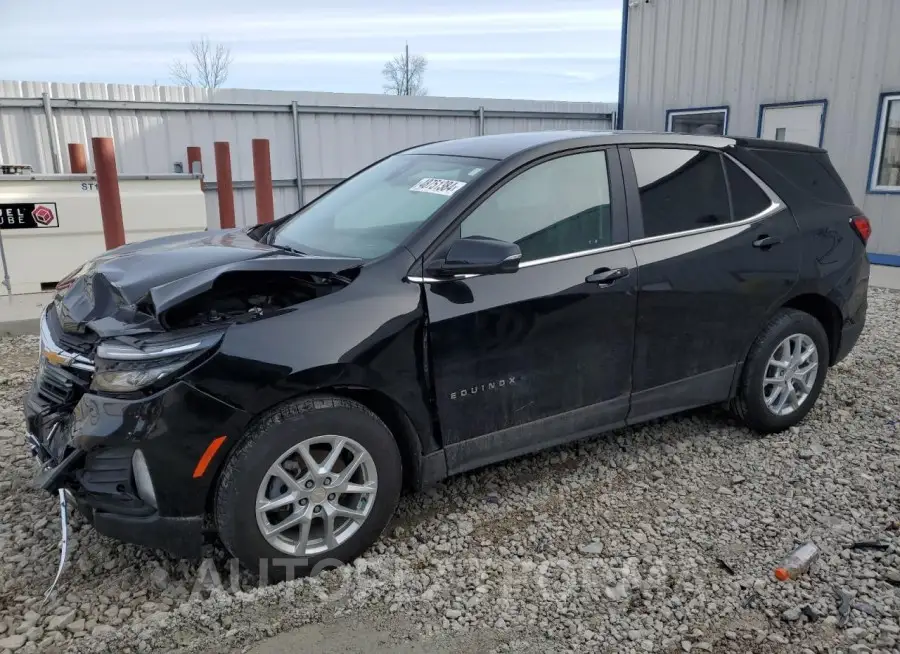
(311, 486)
(784, 372)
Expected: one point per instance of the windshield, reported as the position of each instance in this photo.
(370, 214)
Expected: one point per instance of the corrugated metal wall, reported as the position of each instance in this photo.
(339, 133)
(744, 53)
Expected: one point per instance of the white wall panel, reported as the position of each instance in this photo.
(334, 143)
(744, 53)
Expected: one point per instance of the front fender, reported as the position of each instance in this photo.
(369, 335)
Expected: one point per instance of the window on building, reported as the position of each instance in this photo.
(698, 121)
(558, 207)
(680, 189)
(747, 198)
(886, 172)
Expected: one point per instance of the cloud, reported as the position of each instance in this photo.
(322, 24)
(518, 48)
(433, 57)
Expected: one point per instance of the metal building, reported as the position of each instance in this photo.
(822, 72)
(316, 139)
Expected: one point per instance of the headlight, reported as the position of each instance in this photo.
(127, 367)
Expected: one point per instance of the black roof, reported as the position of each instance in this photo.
(502, 146)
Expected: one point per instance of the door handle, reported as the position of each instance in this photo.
(764, 242)
(606, 276)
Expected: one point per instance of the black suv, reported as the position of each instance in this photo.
(451, 305)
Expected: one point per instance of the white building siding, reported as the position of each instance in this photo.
(743, 53)
(339, 133)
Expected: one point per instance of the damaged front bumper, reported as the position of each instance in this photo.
(89, 450)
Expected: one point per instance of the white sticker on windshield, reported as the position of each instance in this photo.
(437, 186)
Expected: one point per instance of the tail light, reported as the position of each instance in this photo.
(862, 227)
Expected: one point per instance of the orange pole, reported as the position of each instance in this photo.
(195, 162)
(77, 159)
(108, 190)
(262, 181)
(224, 184)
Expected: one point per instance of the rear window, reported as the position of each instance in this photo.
(747, 198)
(811, 172)
(680, 189)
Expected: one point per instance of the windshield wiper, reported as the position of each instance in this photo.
(288, 248)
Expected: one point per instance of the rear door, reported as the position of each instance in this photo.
(717, 251)
(525, 360)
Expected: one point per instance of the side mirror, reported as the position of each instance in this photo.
(477, 255)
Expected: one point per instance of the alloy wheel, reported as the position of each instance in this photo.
(790, 374)
(316, 495)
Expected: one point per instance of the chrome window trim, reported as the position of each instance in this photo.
(527, 264)
(573, 255)
(47, 343)
(776, 205)
(773, 208)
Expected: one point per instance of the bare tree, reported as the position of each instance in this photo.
(405, 74)
(209, 68)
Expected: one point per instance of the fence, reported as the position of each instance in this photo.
(316, 139)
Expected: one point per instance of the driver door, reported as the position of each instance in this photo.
(525, 360)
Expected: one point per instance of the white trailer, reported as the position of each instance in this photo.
(51, 224)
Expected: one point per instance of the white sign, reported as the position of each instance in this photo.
(437, 186)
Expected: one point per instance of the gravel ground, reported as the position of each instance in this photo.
(656, 539)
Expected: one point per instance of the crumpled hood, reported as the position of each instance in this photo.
(126, 289)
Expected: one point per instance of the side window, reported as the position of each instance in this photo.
(811, 172)
(747, 198)
(680, 189)
(558, 207)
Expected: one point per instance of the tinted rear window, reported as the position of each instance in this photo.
(680, 189)
(812, 172)
(747, 198)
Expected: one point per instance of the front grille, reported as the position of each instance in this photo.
(83, 344)
(56, 385)
(66, 365)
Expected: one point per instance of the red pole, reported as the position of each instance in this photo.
(195, 162)
(223, 182)
(77, 159)
(108, 190)
(262, 181)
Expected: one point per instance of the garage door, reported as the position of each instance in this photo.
(799, 123)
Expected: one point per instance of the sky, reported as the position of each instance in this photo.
(530, 49)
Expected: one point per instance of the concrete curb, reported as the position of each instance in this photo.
(23, 327)
(21, 314)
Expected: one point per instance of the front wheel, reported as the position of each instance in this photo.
(311, 486)
(784, 372)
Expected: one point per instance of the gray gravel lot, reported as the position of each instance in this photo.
(656, 539)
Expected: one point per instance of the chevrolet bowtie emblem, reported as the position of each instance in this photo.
(56, 359)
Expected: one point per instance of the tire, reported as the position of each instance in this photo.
(749, 404)
(306, 421)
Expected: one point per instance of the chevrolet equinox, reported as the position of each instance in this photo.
(451, 305)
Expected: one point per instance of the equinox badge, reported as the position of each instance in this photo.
(489, 386)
